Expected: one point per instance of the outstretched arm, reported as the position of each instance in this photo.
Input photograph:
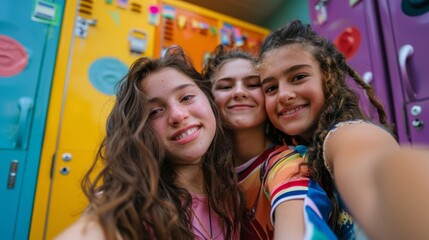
(403, 194)
(367, 163)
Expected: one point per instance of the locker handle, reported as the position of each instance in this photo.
(405, 52)
(25, 105)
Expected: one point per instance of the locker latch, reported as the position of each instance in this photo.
(12, 174)
(82, 25)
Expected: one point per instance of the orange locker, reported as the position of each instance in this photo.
(199, 31)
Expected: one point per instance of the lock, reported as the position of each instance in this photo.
(66, 157)
(415, 110)
(64, 171)
(418, 124)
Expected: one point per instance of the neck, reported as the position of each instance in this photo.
(191, 178)
(249, 143)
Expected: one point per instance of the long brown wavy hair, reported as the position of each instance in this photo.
(341, 102)
(136, 194)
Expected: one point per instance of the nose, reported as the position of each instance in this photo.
(239, 91)
(286, 94)
(177, 115)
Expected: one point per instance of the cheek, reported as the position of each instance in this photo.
(258, 96)
(269, 103)
(219, 100)
(158, 129)
(211, 119)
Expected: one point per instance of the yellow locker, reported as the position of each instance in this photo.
(99, 40)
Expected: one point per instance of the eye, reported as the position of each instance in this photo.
(270, 88)
(254, 85)
(187, 98)
(223, 87)
(299, 77)
(155, 112)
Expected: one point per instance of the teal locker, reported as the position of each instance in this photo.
(29, 33)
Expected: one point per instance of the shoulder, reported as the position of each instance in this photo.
(355, 133)
(87, 227)
(356, 139)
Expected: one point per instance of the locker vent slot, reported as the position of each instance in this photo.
(168, 31)
(135, 7)
(85, 7)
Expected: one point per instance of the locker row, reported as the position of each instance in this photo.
(60, 61)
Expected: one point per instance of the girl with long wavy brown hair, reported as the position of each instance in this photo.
(168, 169)
(351, 159)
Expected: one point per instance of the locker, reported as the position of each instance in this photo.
(29, 34)
(99, 41)
(352, 27)
(392, 50)
(198, 31)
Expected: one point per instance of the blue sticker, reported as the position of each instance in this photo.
(105, 73)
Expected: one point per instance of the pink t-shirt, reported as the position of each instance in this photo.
(201, 222)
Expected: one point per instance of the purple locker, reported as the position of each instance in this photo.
(389, 47)
(405, 27)
(352, 26)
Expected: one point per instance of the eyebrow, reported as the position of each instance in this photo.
(287, 71)
(176, 89)
(245, 78)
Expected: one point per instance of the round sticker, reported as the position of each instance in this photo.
(105, 73)
(13, 57)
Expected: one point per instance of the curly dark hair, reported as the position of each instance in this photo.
(341, 102)
(139, 197)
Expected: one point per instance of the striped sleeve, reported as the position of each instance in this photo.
(284, 179)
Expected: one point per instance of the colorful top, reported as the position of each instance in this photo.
(286, 179)
(205, 221)
(258, 224)
(281, 179)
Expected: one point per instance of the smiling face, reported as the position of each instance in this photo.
(292, 83)
(180, 115)
(238, 94)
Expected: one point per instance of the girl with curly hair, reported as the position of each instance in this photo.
(353, 162)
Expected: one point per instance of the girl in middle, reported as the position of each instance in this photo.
(263, 163)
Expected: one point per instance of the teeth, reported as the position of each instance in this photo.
(293, 110)
(187, 133)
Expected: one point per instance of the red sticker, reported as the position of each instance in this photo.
(348, 42)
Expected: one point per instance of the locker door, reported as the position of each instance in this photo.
(195, 33)
(405, 24)
(352, 27)
(108, 36)
(28, 41)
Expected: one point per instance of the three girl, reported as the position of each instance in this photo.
(168, 169)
